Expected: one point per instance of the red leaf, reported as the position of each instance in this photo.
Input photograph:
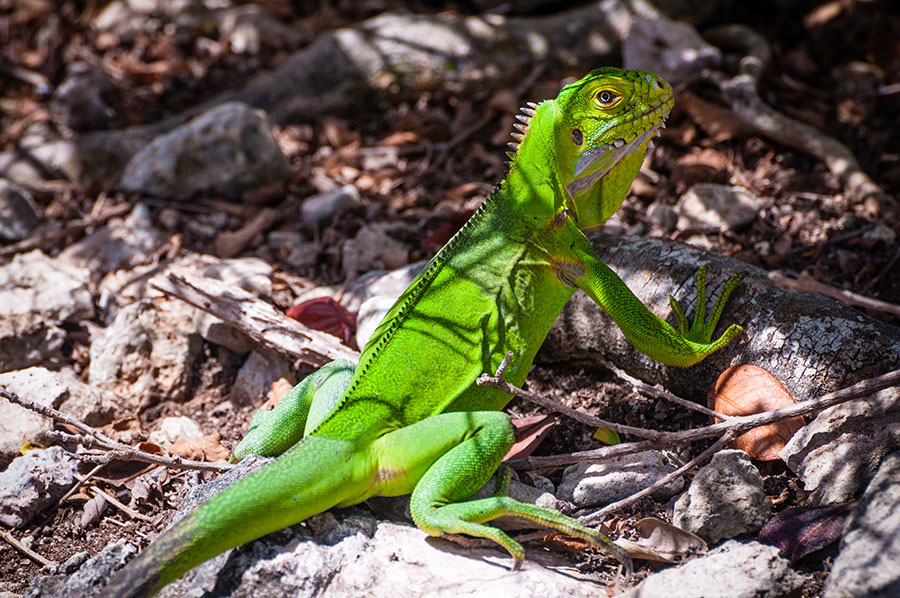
(325, 314)
(746, 390)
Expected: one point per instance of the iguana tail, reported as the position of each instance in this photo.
(315, 475)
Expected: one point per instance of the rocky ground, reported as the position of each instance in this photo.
(231, 143)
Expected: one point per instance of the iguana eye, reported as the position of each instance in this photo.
(606, 98)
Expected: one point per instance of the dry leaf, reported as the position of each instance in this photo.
(204, 448)
(720, 123)
(92, 510)
(747, 390)
(800, 531)
(325, 314)
(662, 542)
(530, 432)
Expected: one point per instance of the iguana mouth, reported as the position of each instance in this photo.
(612, 153)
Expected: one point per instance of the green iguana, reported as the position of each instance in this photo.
(410, 418)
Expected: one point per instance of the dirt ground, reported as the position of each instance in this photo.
(806, 224)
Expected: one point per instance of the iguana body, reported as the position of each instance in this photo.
(410, 418)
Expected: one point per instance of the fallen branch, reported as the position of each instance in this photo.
(806, 283)
(742, 95)
(735, 425)
(114, 450)
(12, 541)
(256, 318)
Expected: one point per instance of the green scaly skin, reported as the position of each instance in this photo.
(410, 418)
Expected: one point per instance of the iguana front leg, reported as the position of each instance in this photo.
(298, 412)
(645, 330)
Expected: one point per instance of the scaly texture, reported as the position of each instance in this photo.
(410, 418)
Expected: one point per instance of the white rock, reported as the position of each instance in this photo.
(37, 294)
(708, 206)
(589, 484)
(147, 353)
(868, 561)
(32, 482)
(733, 570)
(837, 453)
(255, 378)
(173, 429)
(725, 499)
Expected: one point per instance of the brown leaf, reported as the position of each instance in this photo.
(718, 122)
(662, 542)
(747, 390)
(204, 448)
(92, 510)
(530, 432)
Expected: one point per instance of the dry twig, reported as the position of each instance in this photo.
(12, 541)
(741, 93)
(806, 283)
(734, 425)
(113, 449)
(256, 318)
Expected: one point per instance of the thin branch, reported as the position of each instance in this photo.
(121, 506)
(12, 541)
(598, 515)
(551, 405)
(738, 425)
(660, 393)
(95, 438)
(741, 92)
(842, 295)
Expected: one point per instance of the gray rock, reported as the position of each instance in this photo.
(32, 482)
(19, 215)
(366, 251)
(146, 353)
(255, 378)
(370, 315)
(173, 429)
(708, 206)
(59, 390)
(662, 215)
(837, 453)
(88, 579)
(37, 294)
(673, 49)
(228, 149)
(590, 484)
(19, 425)
(81, 100)
(868, 561)
(323, 207)
(725, 499)
(119, 245)
(733, 570)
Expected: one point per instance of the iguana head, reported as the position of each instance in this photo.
(604, 125)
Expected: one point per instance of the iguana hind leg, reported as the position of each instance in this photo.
(449, 457)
